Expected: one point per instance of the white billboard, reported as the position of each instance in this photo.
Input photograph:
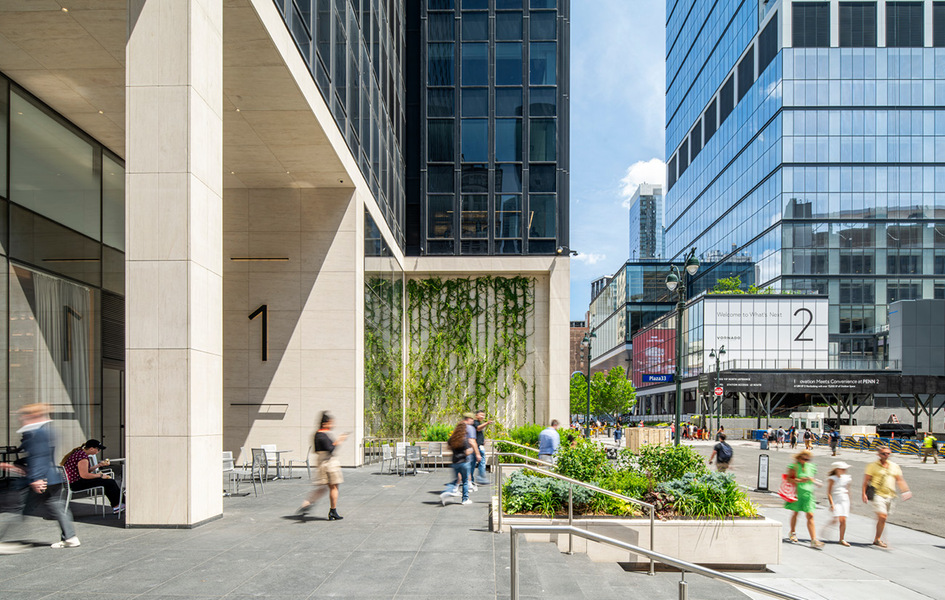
(780, 332)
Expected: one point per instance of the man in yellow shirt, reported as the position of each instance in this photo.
(879, 489)
(929, 447)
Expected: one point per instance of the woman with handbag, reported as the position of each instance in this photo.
(801, 474)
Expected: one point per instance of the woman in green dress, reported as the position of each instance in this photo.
(801, 474)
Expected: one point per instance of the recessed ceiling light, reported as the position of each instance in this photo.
(232, 172)
(237, 110)
(286, 172)
(64, 9)
(19, 113)
(101, 112)
(341, 181)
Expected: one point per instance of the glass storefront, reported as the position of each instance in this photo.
(62, 286)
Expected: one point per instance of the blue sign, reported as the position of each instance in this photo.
(657, 378)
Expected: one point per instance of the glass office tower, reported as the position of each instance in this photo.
(488, 173)
(806, 139)
(646, 222)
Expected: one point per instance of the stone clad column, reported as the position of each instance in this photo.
(174, 224)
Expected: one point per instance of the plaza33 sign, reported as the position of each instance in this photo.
(768, 329)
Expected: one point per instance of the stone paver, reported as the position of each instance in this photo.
(397, 541)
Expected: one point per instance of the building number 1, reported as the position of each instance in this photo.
(264, 311)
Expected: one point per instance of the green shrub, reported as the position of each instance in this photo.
(439, 432)
(708, 495)
(584, 461)
(527, 435)
(524, 492)
(627, 483)
(665, 463)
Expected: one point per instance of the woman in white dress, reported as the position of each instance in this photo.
(838, 495)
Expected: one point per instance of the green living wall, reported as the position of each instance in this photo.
(468, 347)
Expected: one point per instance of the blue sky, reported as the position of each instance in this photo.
(617, 87)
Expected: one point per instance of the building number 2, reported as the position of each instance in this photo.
(264, 311)
(810, 319)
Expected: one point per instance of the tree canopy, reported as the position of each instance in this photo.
(612, 394)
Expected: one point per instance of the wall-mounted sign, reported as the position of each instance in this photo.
(657, 377)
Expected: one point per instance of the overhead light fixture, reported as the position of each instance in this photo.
(237, 110)
(64, 9)
(101, 112)
(259, 258)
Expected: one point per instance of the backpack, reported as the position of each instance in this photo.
(724, 454)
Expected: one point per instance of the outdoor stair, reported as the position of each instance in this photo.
(546, 572)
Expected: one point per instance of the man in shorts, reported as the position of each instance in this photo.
(879, 489)
(722, 454)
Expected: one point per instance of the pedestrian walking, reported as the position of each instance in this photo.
(548, 442)
(801, 474)
(479, 470)
(793, 438)
(838, 495)
(834, 441)
(880, 482)
(42, 483)
(781, 434)
(618, 432)
(929, 447)
(808, 439)
(722, 454)
(327, 468)
(462, 443)
(719, 433)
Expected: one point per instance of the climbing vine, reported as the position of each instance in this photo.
(468, 344)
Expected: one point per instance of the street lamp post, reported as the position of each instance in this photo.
(678, 283)
(586, 344)
(718, 360)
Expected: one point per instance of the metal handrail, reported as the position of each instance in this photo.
(517, 445)
(572, 483)
(682, 565)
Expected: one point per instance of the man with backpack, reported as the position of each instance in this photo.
(722, 454)
(834, 441)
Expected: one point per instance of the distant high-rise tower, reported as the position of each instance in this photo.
(646, 222)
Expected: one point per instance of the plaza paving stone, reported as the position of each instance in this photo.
(396, 541)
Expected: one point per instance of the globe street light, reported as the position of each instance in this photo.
(718, 359)
(586, 345)
(676, 283)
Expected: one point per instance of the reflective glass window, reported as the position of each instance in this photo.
(440, 102)
(440, 140)
(474, 179)
(905, 25)
(695, 139)
(542, 215)
(440, 27)
(503, 4)
(710, 120)
(440, 216)
(113, 203)
(857, 24)
(508, 102)
(542, 67)
(475, 140)
(475, 216)
(543, 3)
(938, 24)
(440, 64)
(508, 139)
(440, 4)
(475, 64)
(508, 63)
(508, 26)
(440, 179)
(542, 25)
(542, 140)
(542, 102)
(508, 178)
(727, 99)
(508, 216)
(475, 4)
(811, 24)
(475, 26)
(746, 72)
(542, 178)
(323, 30)
(767, 45)
(475, 102)
(53, 171)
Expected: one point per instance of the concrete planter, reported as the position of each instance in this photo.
(729, 544)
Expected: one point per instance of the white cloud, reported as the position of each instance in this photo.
(643, 171)
(590, 258)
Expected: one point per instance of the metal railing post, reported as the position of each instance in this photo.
(570, 517)
(498, 487)
(652, 534)
(513, 566)
(683, 588)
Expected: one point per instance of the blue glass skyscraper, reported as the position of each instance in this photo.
(809, 137)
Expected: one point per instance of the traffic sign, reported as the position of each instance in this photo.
(718, 391)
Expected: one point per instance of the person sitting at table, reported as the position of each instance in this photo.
(83, 475)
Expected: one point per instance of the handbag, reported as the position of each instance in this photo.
(870, 491)
(787, 491)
